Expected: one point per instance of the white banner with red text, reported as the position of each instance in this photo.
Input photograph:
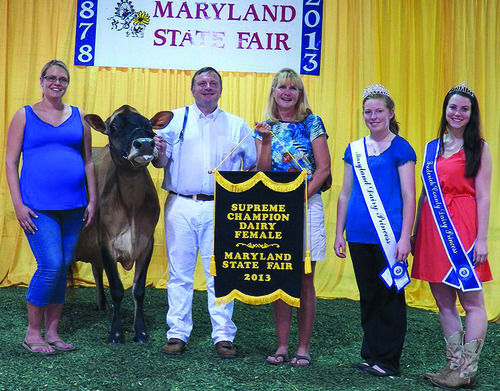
(242, 36)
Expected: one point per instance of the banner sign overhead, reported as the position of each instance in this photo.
(242, 36)
(259, 230)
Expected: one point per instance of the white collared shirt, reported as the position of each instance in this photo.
(208, 139)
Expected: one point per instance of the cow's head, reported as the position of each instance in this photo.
(130, 134)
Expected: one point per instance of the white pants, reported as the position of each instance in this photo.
(189, 229)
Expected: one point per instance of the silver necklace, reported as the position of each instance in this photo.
(375, 147)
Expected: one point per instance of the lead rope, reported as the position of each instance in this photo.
(180, 140)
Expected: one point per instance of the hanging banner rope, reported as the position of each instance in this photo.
(259, 236)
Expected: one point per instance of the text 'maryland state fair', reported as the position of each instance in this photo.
(231, 36)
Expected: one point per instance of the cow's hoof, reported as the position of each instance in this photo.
(141, 338)
(116, 338)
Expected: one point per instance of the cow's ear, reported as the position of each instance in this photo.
(161, 119)
(96, 123)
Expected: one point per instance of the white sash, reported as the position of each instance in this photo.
(395, 273)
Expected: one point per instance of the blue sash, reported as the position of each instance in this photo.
(395, 273)
(461, 274)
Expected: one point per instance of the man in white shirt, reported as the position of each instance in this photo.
(197, 139)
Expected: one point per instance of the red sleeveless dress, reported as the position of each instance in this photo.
(431, 262)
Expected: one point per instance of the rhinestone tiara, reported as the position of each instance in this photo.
(462, 87)
(375, 89)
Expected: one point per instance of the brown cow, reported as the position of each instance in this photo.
(128, 210)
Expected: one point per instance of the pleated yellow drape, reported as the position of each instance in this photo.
(417, 48)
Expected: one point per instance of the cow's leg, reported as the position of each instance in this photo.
(99, 285)
(116, 290)
(139, 291)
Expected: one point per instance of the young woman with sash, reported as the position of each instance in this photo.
(451, 230)
(376, 207)
(289, 118)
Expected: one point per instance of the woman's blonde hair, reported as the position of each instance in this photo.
(302, 108)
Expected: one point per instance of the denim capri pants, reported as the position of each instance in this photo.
(53, 246)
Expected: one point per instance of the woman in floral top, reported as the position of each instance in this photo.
(290, 119)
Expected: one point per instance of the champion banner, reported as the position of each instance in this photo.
(259, 230)
(242, 36)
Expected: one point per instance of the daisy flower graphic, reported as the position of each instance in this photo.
(141, 18)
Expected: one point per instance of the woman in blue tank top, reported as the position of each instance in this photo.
(50, 197)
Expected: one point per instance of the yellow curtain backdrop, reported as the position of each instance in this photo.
(417, 48)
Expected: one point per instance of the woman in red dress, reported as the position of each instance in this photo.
(464, 172)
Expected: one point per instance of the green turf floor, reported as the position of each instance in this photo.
(97, 365)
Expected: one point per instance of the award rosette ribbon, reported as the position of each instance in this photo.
(259, 236)
(462, 274)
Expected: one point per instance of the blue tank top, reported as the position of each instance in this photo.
(53, 171)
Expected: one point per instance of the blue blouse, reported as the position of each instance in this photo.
(384, 170)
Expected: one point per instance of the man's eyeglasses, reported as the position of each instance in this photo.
(53, 79)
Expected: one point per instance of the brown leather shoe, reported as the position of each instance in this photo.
(174, 346)
(226, 349)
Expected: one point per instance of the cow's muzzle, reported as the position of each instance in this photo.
(142, 151)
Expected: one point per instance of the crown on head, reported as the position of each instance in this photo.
(375, 89)
(462, 87)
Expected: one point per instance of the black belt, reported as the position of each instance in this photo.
(196, 197)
